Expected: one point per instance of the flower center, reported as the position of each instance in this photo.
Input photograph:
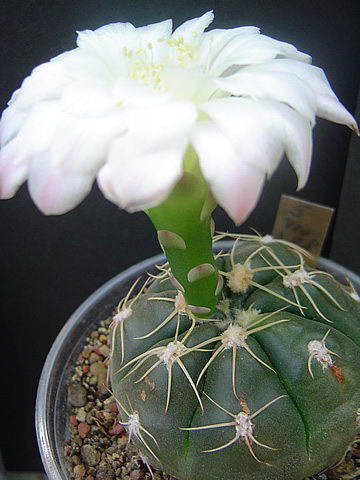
(144, 69)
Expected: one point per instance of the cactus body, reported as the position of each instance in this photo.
(267, 388)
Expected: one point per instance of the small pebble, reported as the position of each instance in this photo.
(122, 443)
(74, 420)
(104, 350)
(137, 474)
(105, 472)
(117, 430)
(75, 459)
(83, 429)
(77, 394)
(98, 369)
(94, 357)
(79, 471)
(81, 415)
(89, 455)
(113, 407)
(86, 353)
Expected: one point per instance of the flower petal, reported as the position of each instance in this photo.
(245, 46)
(69, 167)
(46, 83)
(327, 103)
(193, 28)
(235, 185)
(146, 162)
(12, 120)
(191, 85)
(284, 87)
(14, 171)
(53, 192)
(250, 139)
(262, 132)
(116, 38)
(128, 92)
(31, 140)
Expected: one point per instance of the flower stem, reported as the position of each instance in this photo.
(183, 222)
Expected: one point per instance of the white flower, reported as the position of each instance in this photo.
(130, 106)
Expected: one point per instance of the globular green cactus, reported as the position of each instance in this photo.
(267, 388)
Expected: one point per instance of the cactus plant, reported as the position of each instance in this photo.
(267, 387)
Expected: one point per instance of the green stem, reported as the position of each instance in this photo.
(183, 222)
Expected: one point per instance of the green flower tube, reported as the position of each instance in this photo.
(184, 227)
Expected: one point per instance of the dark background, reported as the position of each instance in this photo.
(49, 265)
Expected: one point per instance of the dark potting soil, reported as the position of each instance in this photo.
(98, 446)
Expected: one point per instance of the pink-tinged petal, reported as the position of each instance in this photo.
(68, 146)
(53, 192)
(33, 139)
(145, 163)
(13, 171)
(235, 185)
(12, 120)
(141, 186)
(62, 176)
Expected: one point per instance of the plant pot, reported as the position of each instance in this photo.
(52, 407)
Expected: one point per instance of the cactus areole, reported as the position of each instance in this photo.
(266, 387)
